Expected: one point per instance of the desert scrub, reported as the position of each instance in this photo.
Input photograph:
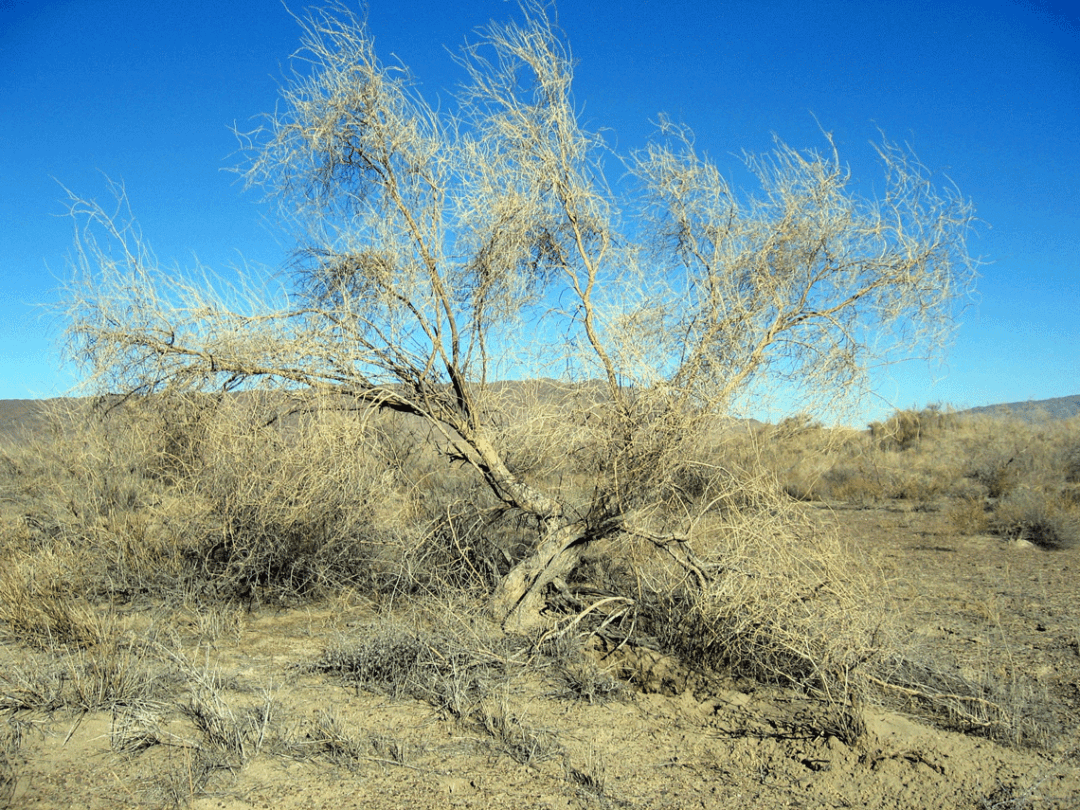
(782, 600)
(907, 429)
(241, 496)
(969, 516)
(999, 471)
(1037, 517)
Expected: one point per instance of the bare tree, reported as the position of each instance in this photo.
(431, 239)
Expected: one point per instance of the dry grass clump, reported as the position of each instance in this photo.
(331, 738)
(201, 734)
(429, 659)
(441, 658)
(69, 654)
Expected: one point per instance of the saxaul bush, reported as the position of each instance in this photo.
(429, 238)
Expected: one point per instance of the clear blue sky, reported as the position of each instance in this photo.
(988, 92)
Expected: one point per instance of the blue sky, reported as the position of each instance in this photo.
(987, 92)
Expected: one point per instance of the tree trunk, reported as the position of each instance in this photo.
(519, 598)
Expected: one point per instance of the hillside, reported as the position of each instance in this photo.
(1057, 408)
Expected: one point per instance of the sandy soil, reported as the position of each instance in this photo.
(993, 612)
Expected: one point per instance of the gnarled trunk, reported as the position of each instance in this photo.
(519, 598)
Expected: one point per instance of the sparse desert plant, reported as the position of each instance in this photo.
(970, 515)
(514, 736)
(116, 671)
(434, 660)
(952, 700)
(1037, 517)
(582, 678)
(220, 734)
(461, 674)
(858, 480)
(331, 738)
(905, 429)
(996, 470)
(235, 734)
(122, 672)
(591, 776)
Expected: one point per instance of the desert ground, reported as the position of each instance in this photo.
(367, 698)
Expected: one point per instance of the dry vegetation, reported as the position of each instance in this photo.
(304, 526)
(139, 541)
(1013, 478)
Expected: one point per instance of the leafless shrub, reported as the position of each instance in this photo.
(919, 487)
(1002, 709)
(970, 516)
(783, 602)
(298, 508)
(441, 663)
(1036, 517)
(857, 480)
(41, 602)
(435, 664)
(1072, 463)
(271, 504)
(905, 429)
(996, 469)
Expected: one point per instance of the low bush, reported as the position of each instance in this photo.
(969, 516)
(235, 497)
(907, 429)
(770, 594)
(1037, 517)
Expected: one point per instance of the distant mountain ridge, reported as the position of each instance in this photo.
(25, 416)
(1056, 408)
